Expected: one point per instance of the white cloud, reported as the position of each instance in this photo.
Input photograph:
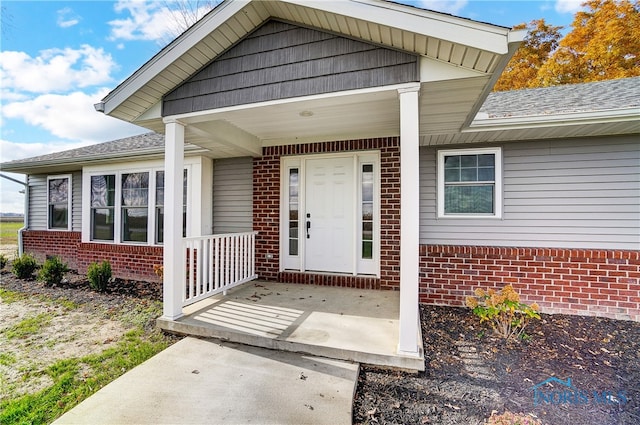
(155, 21)
(67, 18)
(70, 116)
(447, 6)
(568, 6)
(55, 70)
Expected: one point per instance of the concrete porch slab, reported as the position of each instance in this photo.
(340, 323)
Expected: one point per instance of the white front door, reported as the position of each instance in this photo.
(329, 215)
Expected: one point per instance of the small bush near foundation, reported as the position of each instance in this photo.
(52, 271)
(99, 275)
(24, 266)
(508, 418)
(503, 309)
(3, 261)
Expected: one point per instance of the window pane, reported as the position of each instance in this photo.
(293, 247)
(294, 184)
(102, 224)
(468, 199)
(452, 161)
(367, 250)
(452, 175)
(159, 188)
(487, 160)
(184, 187)
(134, 224)
(367, 231)
(135, 189)
(367, 211)
(468, 174)
(159, 225)
(469, 161)
(103, 190)
(486, 174)
(58, 216)
(367, 183)
(58, 190)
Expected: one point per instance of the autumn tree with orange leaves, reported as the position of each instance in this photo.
(522, 71)
(603, 44)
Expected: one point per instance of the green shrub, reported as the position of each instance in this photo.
(99, 275)
(503, 309)
(52, 271)
(24, 266)
(3, 261)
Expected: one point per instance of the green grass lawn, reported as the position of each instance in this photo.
(9, 232)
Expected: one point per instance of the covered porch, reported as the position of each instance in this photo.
(340, 323)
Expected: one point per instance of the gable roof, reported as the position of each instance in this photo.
(143, 146)
(455, 48)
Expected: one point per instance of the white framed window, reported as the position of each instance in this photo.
(126, 205)
(470, 183)
(59, 202)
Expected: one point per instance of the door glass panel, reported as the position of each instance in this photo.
(367, 211)
(294, 186)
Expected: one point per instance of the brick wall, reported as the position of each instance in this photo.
(43, 243)
(602, 283)
(266, 209)
(127, 261)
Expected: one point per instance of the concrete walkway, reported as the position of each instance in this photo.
(206, 382)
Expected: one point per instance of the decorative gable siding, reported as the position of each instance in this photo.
(233, 195)
(577, 193)
(280, 60)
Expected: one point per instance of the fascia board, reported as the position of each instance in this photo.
(172, 52)
(574, 118)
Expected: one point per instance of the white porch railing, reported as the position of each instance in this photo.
(216, 263)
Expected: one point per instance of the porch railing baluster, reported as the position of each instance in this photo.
(216, 263)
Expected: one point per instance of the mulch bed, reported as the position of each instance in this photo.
(470, 373)
(75, 287)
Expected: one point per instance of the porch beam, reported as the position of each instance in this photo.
(229, 135)
(173, 261)
(409, 220)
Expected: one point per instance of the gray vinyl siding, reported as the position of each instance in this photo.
(579, 193)
(280, 60)
(233, 195)
(38, 201)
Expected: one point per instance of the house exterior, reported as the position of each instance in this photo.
(354, 144)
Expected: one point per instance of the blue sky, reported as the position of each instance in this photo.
(58, 58)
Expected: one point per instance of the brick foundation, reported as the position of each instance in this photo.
(266, 211)
(127, 261)
(602, 283)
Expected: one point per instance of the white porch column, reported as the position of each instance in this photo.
(173, 259)
(409, 220)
